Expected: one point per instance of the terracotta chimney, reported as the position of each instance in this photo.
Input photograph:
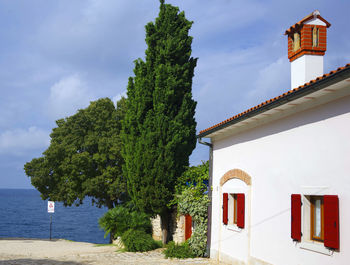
(307, 44)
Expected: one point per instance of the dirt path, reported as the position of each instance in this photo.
(63, 252)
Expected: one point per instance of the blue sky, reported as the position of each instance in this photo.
(57, 56)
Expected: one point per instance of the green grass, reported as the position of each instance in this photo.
(180, 251)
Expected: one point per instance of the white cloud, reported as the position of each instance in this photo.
(18, 141)
(272, 78)
(215, 17)
(116, 98)
(67, 96)
(96, 35)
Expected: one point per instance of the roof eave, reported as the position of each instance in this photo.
(301, 22)
(306, 90)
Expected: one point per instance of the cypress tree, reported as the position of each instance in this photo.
(159, 129)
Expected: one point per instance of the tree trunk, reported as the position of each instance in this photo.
(165, 220)
(111, 237)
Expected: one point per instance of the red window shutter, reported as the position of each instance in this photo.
(240, 209)
(224, 208)
(331, 221)
(188, 226)
(296, 217)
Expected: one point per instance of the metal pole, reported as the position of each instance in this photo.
(50, 225)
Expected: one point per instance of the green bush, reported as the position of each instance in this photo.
(193, 202)
(120, 219)
(159, 243)
(180, 251)
(138, 241)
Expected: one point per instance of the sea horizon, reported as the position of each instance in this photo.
(23, 214)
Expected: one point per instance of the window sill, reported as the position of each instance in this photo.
(316, 247)
(234, 228)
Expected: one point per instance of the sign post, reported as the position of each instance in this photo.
(50, 209)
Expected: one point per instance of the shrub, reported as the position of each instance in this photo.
(120, 219)
(138, 241)
(180, 251)
(193, 202)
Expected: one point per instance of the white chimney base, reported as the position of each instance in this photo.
(306, 68)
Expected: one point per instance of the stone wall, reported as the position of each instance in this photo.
(156, 228)
(177, 228)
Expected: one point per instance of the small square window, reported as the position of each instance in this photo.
(233, 209)
(315, 221)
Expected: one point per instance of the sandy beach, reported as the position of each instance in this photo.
(37, 251)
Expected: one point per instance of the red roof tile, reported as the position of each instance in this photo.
(305, 19)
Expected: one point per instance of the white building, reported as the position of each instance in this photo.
(280, 171)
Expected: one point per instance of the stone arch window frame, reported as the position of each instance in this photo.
(246, 178)
(236, 174)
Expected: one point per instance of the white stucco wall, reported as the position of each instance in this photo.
(306, 68)
(316, 21)
(305, 151)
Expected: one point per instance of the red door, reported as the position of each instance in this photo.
(188, 226)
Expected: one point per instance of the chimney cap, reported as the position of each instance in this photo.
(296, 26)
(316, 13)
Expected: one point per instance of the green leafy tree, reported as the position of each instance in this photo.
(196, 177)
(159, 129)
(84, 158)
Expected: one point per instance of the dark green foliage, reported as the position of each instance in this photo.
(120, 219)
(180, 251)
(84, 157)
(159, 130)
(196, 205)
(138, 241)
(193, 201)
(158, 243)
(196, 177)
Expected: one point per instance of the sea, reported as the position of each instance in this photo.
(24, 214)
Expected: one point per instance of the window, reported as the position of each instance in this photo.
(314, 37)
(316, 218)
(233, 209)
(296, 41)
(320, 221)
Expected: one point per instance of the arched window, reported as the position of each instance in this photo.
(296, 42)
(314, 37)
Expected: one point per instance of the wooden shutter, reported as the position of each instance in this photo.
(188, 226)
(296, 217)
(240, 209)
(224, 208)
(331, 221)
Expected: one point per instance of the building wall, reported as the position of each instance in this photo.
(305, 152)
